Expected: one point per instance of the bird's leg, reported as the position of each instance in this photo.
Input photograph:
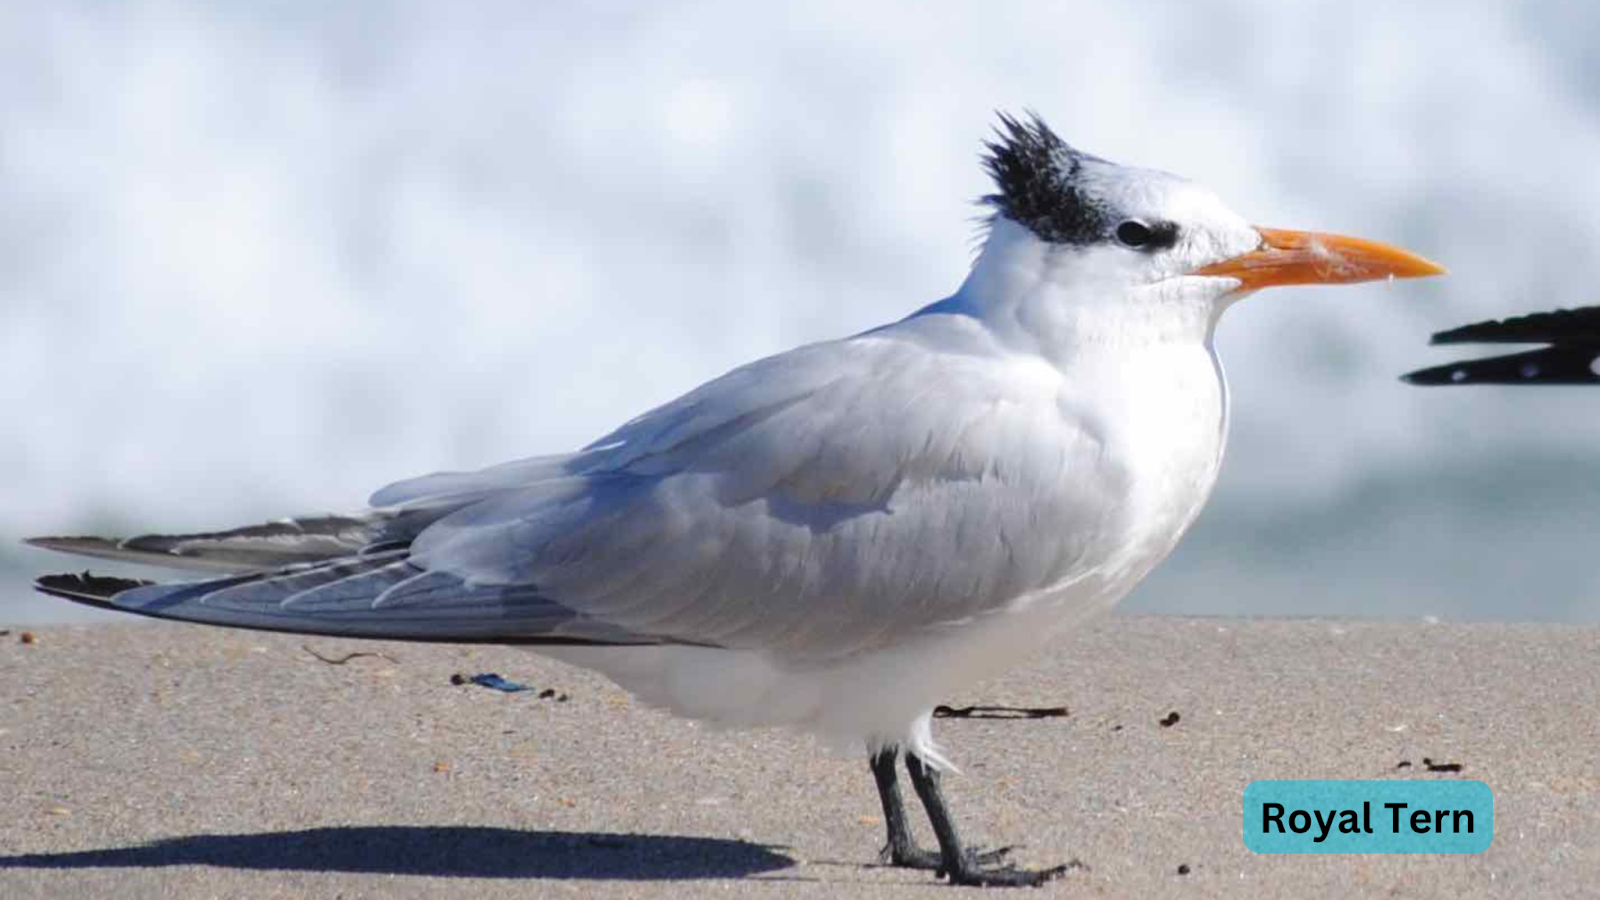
(960, 865)
(902, 849)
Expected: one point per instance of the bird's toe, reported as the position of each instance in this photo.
(974, 874)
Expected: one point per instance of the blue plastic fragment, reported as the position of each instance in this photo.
(493, 681)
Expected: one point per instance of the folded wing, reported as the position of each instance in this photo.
(809, 505)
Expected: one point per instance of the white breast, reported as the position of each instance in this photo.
(1165, 414)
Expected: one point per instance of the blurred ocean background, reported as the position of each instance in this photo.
(261, 258)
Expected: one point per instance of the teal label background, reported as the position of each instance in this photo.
(1323, 796)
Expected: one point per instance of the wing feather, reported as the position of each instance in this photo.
(836, 513)
(340, 598)
(253, 547)
(809, 505)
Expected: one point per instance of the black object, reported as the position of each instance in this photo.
(1573, 336)
(998, 712)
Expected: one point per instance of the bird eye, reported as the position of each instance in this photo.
(1134, 233)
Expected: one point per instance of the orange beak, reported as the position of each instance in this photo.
(1306, 257)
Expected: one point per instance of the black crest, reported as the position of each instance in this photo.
(1036, 173)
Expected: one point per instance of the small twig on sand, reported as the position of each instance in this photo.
(341, 660)
(999, 712)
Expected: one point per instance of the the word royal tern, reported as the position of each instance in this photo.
(1572, 337)
(836, 537)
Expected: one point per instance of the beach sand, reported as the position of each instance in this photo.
(154, 759)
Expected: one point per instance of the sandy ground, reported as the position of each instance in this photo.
(152, 759)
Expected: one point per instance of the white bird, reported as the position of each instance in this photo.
(834, 538)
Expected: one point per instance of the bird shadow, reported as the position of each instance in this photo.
(444, 851)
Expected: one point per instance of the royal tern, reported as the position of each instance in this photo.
(1572, 337)
(834, 538)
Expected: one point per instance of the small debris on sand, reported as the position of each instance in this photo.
(1403, 764)
(1171, 719)
(1183, 869)
(1441, 767)
(999, 712)
(341, 660)
(490, 680)
(494, 682)
(28, 637)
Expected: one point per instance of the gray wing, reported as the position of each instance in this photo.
(829, 499)
(813, 504)
(379, 595)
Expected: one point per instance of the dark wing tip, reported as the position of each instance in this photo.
(65, 544)
(87, 588)
(1581, 325)
(1434, 376)
(1561, 364)
(1426, 377)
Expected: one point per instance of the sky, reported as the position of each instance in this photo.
(259, 259)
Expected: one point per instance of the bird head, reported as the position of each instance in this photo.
(1103, 233)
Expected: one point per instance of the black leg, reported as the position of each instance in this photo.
(902, 849)
(961, 865)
